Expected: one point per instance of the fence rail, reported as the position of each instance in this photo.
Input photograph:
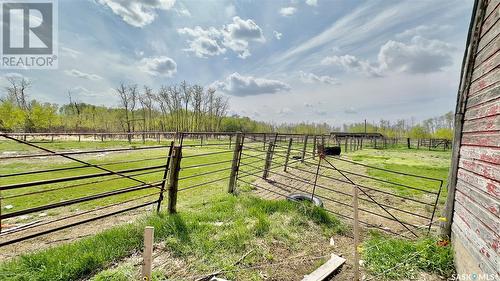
(112, 181)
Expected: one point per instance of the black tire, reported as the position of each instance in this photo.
(305, 197)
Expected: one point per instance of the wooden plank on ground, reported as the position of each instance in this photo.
(325, 270)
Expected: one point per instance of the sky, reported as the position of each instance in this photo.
(277, 61)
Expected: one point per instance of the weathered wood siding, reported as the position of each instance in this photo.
(476, 223)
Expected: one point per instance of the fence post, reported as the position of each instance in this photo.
(288, 153)
(230, 140)
(264, 148)
(147, 255)
(165, 173)
(235, 165)
(173, 179)
(304, 149)
(356, 232)
(269, 157)
(314, 147)
(346, 144)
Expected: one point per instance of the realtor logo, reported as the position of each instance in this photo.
(29, 34)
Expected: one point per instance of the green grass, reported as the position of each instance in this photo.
(214, 235)
(391, 258)
(433, 164)
(89, 186)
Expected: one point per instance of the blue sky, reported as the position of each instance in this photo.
(280, 61)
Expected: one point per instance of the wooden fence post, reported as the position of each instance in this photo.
(304, 149)
(356, 232)
(235, 164)
(147, 255)
(165, 173)
(408, 142)
(269, 157)
(173, 179)
(264, 142)
(346, 144)
(288, 153)
(230, 140)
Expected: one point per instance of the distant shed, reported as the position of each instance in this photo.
(473, 203)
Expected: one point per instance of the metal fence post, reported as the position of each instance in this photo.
(288, 153)
(235, 164)
(304, 149)
(165, 173)
(174, 178)
(314, 147)
(269, 157)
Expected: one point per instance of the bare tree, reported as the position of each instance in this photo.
(17, 91)
(77, 109)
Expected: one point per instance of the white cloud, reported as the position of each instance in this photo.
(159, 66)
(81, 91)
(70, 52)
(238, 85)
(138, 13)
(277, 35)
(420, 55)
(288, 11)
(313, 78)
(235, 36)
(351, 63)
(183, 12)
(83, 75)
(205, 42)
(427, 31)
(312, 2)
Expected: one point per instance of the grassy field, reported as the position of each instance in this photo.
(207, 238)
(213, 229)
(432, 164)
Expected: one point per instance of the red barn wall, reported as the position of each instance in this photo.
(476, 223)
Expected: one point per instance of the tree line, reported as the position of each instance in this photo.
(181, 107)
(440, 127)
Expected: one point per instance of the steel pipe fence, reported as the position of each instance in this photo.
(103, 186)
(399, 206)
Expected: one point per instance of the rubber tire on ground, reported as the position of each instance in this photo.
(305, 197)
